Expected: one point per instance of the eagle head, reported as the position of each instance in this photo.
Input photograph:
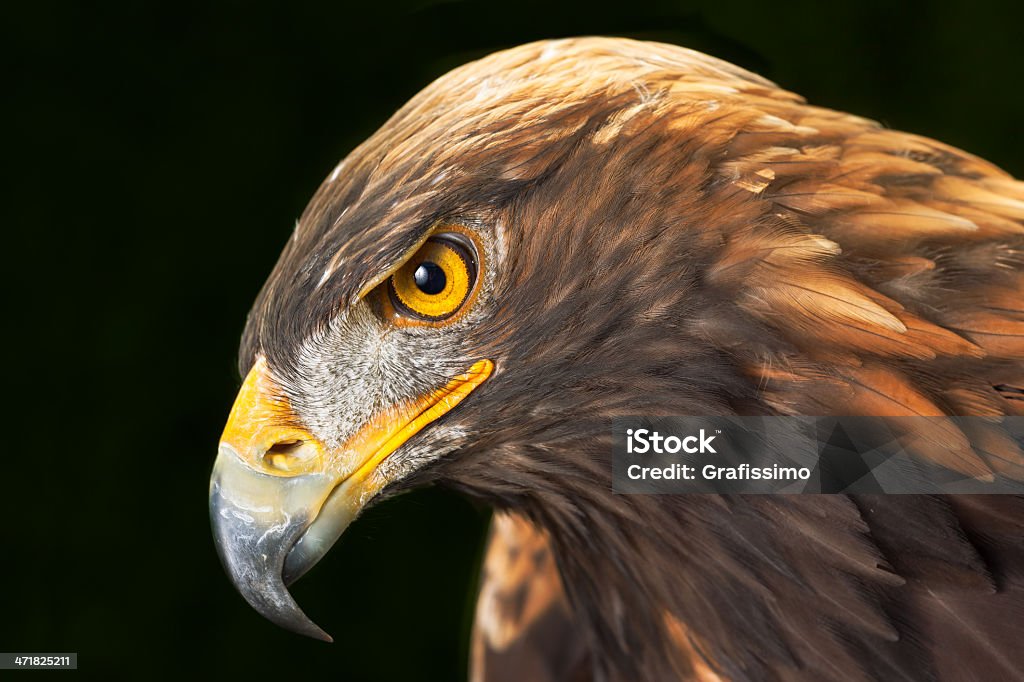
(571, 231)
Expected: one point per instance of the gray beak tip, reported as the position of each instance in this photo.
(252, 545)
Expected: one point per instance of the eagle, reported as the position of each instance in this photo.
(572, 231)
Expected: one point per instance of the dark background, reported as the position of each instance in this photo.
(156, 156)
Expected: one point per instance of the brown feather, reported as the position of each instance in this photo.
(523, 626)
(675, 235)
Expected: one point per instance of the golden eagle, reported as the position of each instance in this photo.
(572, 231)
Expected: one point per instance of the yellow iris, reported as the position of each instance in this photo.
(435, 282)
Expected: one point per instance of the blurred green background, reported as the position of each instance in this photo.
(156, 158)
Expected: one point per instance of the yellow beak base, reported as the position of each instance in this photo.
(279, 498)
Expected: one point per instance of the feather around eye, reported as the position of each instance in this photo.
(436, 282)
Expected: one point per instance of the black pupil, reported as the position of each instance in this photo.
(429, 277)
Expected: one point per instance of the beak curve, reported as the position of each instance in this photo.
(279, 499)
(257, 519)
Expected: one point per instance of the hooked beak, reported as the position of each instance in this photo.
(279, 499)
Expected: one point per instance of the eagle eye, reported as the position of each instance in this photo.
(438, 280)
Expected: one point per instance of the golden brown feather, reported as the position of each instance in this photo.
(864, 252)
(768, 257)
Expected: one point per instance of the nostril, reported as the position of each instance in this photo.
(286, 447)
(290, 455)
